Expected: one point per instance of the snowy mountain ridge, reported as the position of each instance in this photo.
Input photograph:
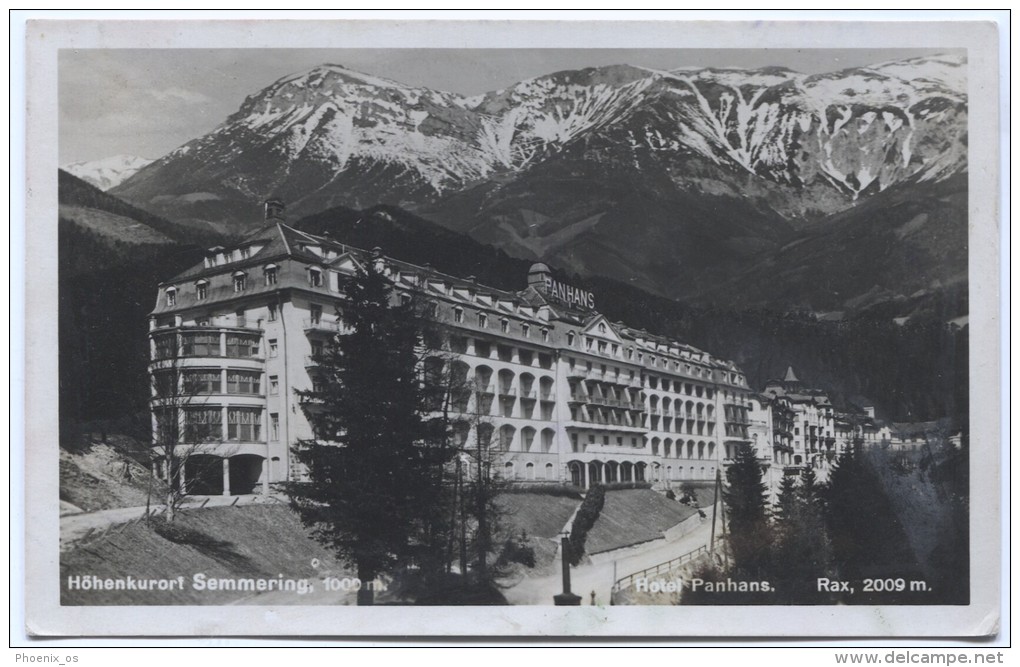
(340, 136)
(107, 172)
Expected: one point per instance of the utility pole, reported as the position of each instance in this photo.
(566, 598)
(715, 503)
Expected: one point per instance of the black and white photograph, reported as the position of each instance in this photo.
(504, 325)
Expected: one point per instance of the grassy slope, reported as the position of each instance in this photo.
(248, 541)
(104, 476)
(538, 515)
(632, 516)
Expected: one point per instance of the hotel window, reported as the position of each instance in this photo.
(616, 349)
(588, 343)
(201, 290)
(619, 440)
(274, 385)
(241, 320)
(591, 438)
(526, 330)
(315, 277)
(504, 325)
(271, 274)
(433, 310)
(458, 315)
(200, 345)
(405, 299)
(633, 442)
(274, 427)
(203, 424)
(272, 312)
(483, 320)
(166, 347)
(244, 424)
(241, 346)
(570, 338)
(315, 314)
(201, 382)
(171, 296)
(273, 349)
(244, 382)
(318, 349)
(605, 440)
(240, 282)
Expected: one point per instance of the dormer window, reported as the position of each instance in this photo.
(271, 272)
(171, 296)
(201, 290)
(240, 281)
(315, 277)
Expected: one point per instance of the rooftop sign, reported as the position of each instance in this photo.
(570, 295)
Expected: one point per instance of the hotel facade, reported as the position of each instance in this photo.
(566, 395)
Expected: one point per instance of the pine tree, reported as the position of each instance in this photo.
(867, 538)
(802, 552)
(787, 500)
(374, 472)
(746, 498)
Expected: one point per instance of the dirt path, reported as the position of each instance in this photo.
(75, 526)
(600, 577)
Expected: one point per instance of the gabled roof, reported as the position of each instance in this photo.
(279, 242)
(591, 326)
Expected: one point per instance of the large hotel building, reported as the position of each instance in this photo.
(567, 395)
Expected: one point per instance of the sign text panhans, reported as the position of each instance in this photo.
(569, 294)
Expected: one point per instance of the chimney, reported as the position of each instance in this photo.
(274, 209)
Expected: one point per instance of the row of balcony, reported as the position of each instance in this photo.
(601, 420)
(611, 377)
(608, 402)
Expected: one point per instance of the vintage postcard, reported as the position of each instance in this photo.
(565, 328)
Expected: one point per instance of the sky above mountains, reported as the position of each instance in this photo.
(148, 102)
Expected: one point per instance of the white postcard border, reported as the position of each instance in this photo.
(45, 616)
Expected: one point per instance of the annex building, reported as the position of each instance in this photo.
(567, 395)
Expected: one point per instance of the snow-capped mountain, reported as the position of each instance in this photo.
(858, 130)
(108, 172)
(716, 165)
